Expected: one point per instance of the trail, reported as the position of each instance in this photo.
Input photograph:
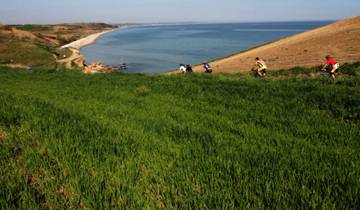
(74, 56)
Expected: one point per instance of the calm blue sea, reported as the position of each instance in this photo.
(159, 48)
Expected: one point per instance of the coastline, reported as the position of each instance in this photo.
(77, 59)
(89, 40)
(305, 49)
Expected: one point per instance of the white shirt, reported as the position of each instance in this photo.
(182, 69)
(261, 64)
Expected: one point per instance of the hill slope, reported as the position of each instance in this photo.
(36, 45)
(223, 141)
(340, 39)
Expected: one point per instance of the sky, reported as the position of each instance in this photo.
(120, 11)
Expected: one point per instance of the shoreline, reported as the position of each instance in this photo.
(304, 49)
(79, 60)
(89, 40)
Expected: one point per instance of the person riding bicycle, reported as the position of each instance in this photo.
(208, 69)
(189, 68)
(331, 66)
(260, 67)
(182, 68)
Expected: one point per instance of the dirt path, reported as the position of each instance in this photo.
(74, 56)
(340, 39)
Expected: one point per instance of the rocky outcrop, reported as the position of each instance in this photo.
(76, 60)
(79, 62)
(98, 67)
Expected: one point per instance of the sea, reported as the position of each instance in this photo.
(156, 48)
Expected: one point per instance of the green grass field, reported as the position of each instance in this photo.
(73, 141)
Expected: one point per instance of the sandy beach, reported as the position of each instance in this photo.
(91, 39)
(79, 60)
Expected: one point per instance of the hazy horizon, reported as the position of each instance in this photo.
(174, 23)
(166, 11)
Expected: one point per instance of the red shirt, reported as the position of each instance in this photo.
(331, 61)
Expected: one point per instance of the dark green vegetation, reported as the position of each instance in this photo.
(187, 142)
(345, 70)
(31, 27)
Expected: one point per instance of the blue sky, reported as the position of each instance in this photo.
(117, 11)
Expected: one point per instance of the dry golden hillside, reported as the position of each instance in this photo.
(340, 39)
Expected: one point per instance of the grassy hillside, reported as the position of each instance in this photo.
(26, 52)
(178, 142)
(37, 46)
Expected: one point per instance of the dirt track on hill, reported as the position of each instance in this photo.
(340, 39)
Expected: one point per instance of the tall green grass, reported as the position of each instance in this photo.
(73, 141)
